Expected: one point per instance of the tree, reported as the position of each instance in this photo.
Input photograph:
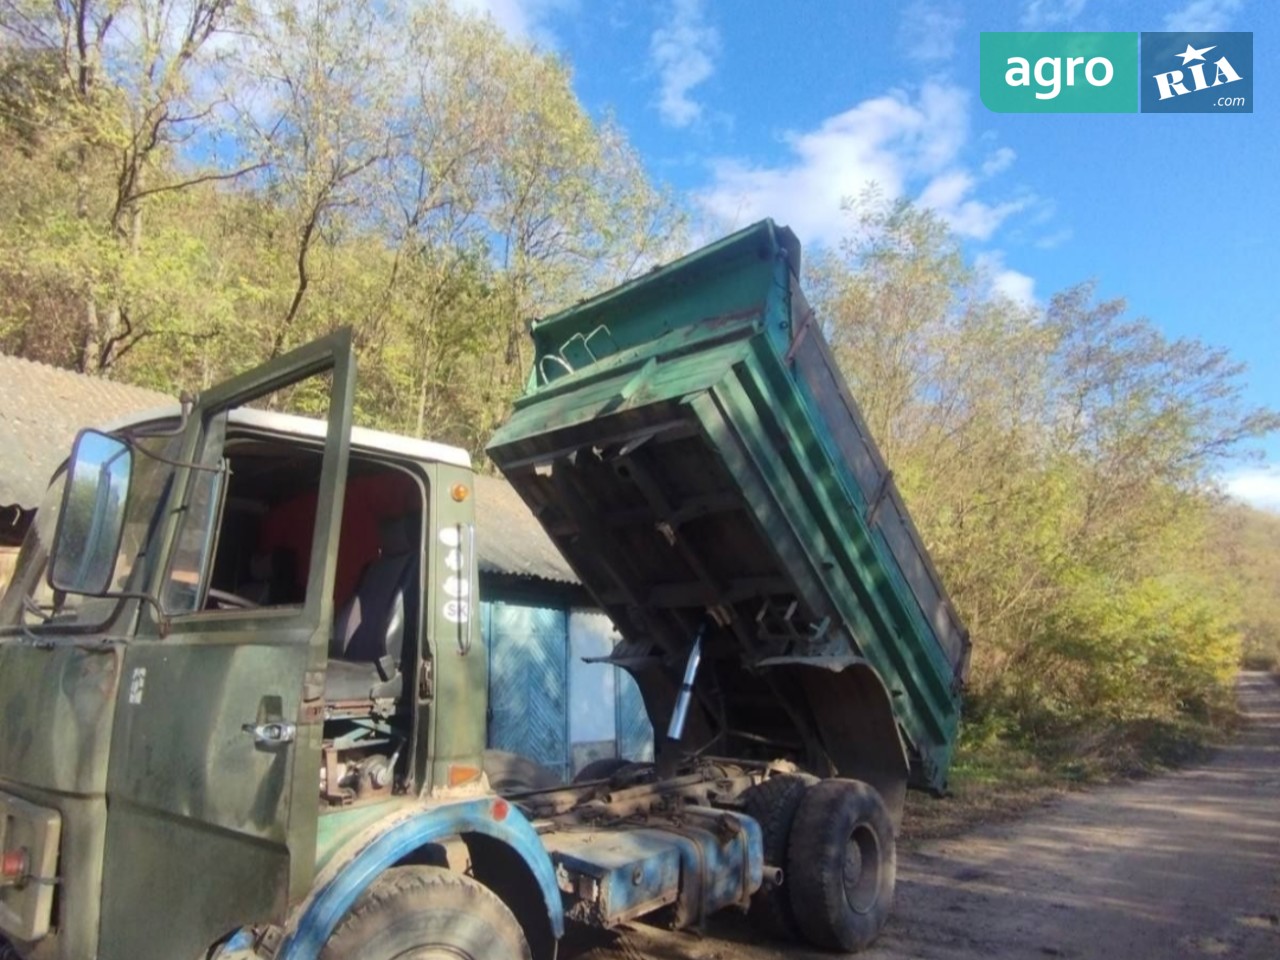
(203, 186)
(125, 90)
(1059, 465)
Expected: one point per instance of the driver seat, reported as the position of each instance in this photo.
(367, 647)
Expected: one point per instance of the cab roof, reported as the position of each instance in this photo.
(292, 425)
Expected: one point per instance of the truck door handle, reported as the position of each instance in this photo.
(272, 734)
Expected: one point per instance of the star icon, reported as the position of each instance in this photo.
(1191, 53)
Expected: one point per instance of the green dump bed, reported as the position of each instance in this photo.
(688, 442)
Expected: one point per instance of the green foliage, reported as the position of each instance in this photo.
(1058, 464)
(210, 185)
(1248, 546)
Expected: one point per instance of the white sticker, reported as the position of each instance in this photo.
(451, 536)
(453, 559)
(457, 611)
(137, 684)
(456, 587)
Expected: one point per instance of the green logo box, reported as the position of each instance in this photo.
(1059, 72)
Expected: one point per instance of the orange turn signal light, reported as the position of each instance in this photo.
(460, 773)
(459, 492)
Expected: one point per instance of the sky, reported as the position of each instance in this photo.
(751, 108)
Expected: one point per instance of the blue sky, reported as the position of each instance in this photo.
(753, 108)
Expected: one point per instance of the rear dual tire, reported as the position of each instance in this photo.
(773, 804)
(841, 865)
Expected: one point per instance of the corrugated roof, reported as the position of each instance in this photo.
(509, 538)
(41, 408)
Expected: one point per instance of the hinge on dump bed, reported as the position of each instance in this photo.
(776, 625)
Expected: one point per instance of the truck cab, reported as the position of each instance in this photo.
(235, 638)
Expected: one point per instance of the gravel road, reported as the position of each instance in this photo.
(1181, 866)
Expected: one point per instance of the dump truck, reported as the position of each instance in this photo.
(243, 685)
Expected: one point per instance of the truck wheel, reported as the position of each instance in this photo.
(512, 773)
(773, 805)
(841, 865)
(601, 769)
(427, 912)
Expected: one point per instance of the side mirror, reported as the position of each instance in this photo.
(91, 522)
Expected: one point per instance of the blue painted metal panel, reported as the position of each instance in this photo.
(341, 884)
(730, 870)
(633, 873)
(708, 860)
(528, 681)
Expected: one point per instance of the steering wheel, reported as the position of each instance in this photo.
(226, 600)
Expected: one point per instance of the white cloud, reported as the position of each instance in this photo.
(900, 143)
(1257, 486)
(1018, 287)
(1055, 239)
(1203, 16)
(525, 20)
(928, 30)
(1043, 14)
(1006, 282)
(948, 195)
(998, 162)
(683, 53)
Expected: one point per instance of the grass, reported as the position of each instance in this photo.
(989, 784)
(994, 779)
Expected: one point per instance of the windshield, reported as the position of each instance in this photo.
(32, 603)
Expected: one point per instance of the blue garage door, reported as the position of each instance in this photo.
(528, 681)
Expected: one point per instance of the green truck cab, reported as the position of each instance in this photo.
(244, 694)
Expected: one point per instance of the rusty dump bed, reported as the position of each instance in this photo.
(690, 446)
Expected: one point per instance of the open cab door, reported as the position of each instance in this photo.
(215, 759)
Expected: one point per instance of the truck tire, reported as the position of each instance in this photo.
(410, 911)
(512, 773)
(841, 865)
(601, 769)
(773, 804)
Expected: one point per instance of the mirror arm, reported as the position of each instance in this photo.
(186, 401)
(222, 466)
(162, 618)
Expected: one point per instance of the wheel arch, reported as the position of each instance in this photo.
(501, 868)
(854, 721)
(508, 837)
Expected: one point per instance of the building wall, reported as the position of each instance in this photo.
(606, 715)
(545, 702)
(528, 647)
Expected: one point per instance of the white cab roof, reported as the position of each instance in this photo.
(290, 425)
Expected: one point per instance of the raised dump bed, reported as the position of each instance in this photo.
(688, 442)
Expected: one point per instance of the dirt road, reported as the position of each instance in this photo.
(1182, 866)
